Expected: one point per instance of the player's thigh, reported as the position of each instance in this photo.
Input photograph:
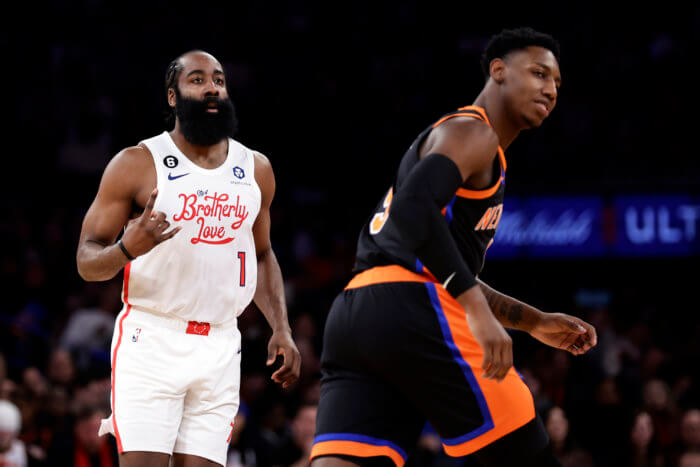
(348, 461)
(362, 417)
(186, 460)
(420, 342)
(143, 459)
(147, 395)
(212, 400)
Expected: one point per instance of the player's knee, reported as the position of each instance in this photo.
(143, 459)
(331, 461)
(348, 461)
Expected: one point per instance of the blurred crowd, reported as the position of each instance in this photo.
(631, 401)
(334, 125)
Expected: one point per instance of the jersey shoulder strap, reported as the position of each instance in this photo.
(480, 114)
(468, 111)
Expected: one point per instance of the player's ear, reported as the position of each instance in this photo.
(171, 97)
(497, 70)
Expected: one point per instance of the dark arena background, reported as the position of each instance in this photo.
(602, 210)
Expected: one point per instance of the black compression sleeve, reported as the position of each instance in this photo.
(420, 226)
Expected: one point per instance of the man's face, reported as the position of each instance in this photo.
(531, 81)
(201, 101)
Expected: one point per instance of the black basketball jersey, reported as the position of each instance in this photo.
(472, 215)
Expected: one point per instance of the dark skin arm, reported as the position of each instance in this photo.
(269, 294)
(472, 146)
(128, 180)
(557, 330)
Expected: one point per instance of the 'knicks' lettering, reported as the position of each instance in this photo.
(490, 219)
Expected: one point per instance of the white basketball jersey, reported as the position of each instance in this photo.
(208, 271)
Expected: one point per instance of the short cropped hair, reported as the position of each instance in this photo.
(509, 40)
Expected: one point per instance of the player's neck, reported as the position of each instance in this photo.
(204, 156)
(504, 127)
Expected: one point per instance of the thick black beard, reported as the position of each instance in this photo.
(200, 127)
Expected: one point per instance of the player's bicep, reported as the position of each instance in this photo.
(261, 231)
(112, 206)
(104, 219)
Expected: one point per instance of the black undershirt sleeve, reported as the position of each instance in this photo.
(416, 222)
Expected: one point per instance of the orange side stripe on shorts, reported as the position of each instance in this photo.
(383, 274)
(354, 448)
(509, 401)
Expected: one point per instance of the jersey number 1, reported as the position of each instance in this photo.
(379, 219)
(241, 256)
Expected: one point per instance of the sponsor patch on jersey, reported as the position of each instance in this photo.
(175, 177)
(238, 172)
(170, 161)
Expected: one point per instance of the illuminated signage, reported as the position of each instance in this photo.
(588, 226)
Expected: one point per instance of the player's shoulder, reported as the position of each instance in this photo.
(264, 176)
(133, 157)
(477, 132)
(130, 166)
(263, 167)
(261, 160)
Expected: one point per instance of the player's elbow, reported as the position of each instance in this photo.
(84, 271)
(87, 270)
(89, 275)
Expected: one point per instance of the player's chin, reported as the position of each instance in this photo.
(533, 121)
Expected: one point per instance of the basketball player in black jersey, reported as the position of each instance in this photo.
(416, 336)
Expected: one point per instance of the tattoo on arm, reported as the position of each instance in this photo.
(506, 310)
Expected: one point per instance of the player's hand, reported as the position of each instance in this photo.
(281, 343)
(565, 332)
(488, 332)
(148, 230)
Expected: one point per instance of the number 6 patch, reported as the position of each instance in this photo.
(170, 161)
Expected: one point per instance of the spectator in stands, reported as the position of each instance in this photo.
(643, 448)
(565, 448)
(296, 448)
(690, 459)
(12, 450)
(81, 446)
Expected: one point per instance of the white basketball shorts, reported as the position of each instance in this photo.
(175, 385)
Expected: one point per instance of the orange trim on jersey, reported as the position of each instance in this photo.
(509, 401)
(502, 158)
(483, 194)
(480, 110)
(127, 270)
(384, 274)
(447, 117)
(479, 194)
(355, 448)
(481, 115)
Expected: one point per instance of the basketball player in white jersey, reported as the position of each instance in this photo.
(193, 259)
